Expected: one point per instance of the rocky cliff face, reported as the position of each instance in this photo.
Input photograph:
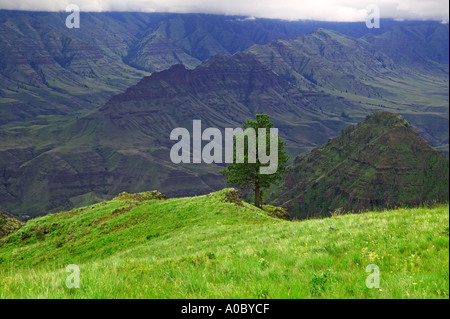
(380, 163)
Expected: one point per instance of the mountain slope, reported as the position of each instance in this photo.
(403, 70)
(163, 53)
(48, 69)
(326, 59)
(53, 163)
(125, 145)
(421, 47)
(381, 162)
(208, 247)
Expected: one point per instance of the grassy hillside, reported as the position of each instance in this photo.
(215, 246)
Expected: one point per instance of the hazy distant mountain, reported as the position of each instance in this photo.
(327, 59)
(404, 70)
(421, 47)
(47, 69)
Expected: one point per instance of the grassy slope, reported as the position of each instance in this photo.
(202, 247)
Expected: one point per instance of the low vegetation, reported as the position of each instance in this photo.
(218, 246)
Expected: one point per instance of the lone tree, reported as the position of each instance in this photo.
(252, 171)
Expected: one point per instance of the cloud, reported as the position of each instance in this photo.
(325, 10)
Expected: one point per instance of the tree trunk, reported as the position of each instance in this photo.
(257, 195)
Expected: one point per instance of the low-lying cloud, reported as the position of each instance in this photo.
(325, 10)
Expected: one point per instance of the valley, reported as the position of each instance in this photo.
(312, 86)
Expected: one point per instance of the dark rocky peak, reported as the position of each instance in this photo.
(240, 72)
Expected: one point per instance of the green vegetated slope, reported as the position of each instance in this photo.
(215, 246)
(381, 162)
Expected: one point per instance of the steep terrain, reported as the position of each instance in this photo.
(327, 59)
(216, 246)
(57, 162)
(381, 162)
(125, 145)
(48, 69)
(404, 70)
(421, 47)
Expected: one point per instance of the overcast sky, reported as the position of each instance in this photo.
(325, 10)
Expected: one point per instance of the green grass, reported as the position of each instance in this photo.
(203, 247)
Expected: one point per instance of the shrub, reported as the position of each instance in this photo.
(150, 236)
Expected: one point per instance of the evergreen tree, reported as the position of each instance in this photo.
(248, 175)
